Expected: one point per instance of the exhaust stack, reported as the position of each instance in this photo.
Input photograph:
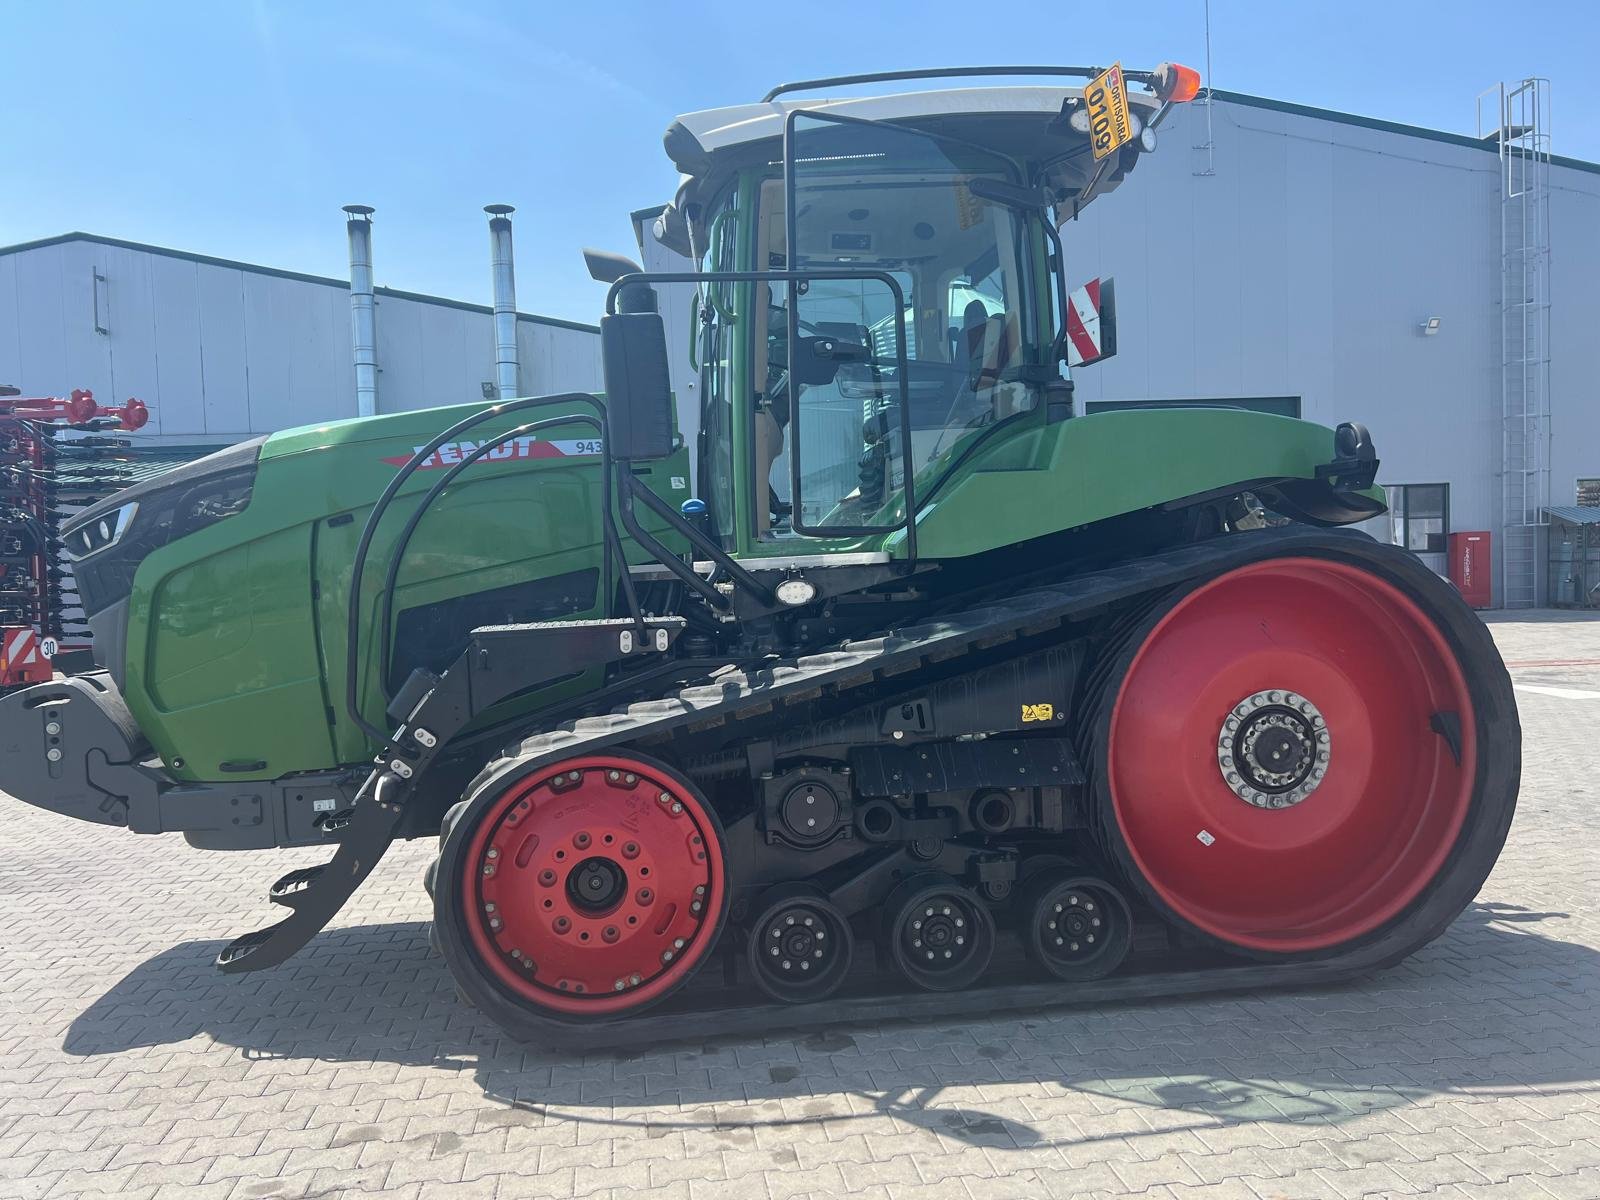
(363, 323)
(505, 300)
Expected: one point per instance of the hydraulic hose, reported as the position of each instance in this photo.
(397, 554)
(359, 561)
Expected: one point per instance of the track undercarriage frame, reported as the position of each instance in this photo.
(1002, 708)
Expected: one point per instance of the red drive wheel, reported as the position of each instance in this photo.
(1291, 756)
(592, 888)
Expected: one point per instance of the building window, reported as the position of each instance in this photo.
(1589, 493)
(1419, 516)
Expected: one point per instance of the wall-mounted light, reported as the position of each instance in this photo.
(1429, 327)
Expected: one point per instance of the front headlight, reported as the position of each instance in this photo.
(109, 540)
(101, 534)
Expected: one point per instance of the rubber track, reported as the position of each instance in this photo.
(735, 694)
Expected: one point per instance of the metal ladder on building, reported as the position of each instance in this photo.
(1517, 118)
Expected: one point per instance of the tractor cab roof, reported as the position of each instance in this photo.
(1032, 124)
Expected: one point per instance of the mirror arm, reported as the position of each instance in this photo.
(699, 539)
(669, 560)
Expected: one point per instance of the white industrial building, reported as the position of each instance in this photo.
(222, 350)
(1438, 287)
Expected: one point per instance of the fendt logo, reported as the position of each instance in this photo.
(451, 453)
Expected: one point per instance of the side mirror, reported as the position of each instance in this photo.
(638, 382)
(1091, 330)
(607, 267)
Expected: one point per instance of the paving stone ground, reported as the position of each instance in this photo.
(129, 1068)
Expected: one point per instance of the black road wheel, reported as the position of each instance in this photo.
(938, 933)
(800, 944)
(1076, 927)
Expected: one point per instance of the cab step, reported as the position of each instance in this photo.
(293, 888)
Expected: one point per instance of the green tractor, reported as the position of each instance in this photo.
(931, 693)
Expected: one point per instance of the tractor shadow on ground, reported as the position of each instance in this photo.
(1495, 1005)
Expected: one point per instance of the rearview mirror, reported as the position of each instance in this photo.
(638, 382)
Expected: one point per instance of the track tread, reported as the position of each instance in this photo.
(735, 693)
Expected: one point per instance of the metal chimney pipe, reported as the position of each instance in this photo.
(505, 300)
(363, 322)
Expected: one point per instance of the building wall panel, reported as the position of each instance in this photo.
(10, 323)
(224, 354)
(179, 349)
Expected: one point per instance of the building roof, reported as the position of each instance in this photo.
(279, 273)
(1418, 131)
(1574, 514)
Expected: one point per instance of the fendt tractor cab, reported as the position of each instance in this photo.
(1040, 705)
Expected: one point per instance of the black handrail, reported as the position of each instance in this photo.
(359, 561)
(397, 552)
(909, 525)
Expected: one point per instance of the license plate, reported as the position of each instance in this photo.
(1107, 101)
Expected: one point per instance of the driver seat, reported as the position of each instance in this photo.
(987, 341)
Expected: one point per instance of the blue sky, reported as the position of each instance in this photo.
(239, 129)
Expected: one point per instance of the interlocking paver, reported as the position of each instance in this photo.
(129, 1068)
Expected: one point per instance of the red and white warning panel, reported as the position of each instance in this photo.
(22, 655)
(1091, 322)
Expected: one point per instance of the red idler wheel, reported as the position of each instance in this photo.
(1279, 762)
(594, 887)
